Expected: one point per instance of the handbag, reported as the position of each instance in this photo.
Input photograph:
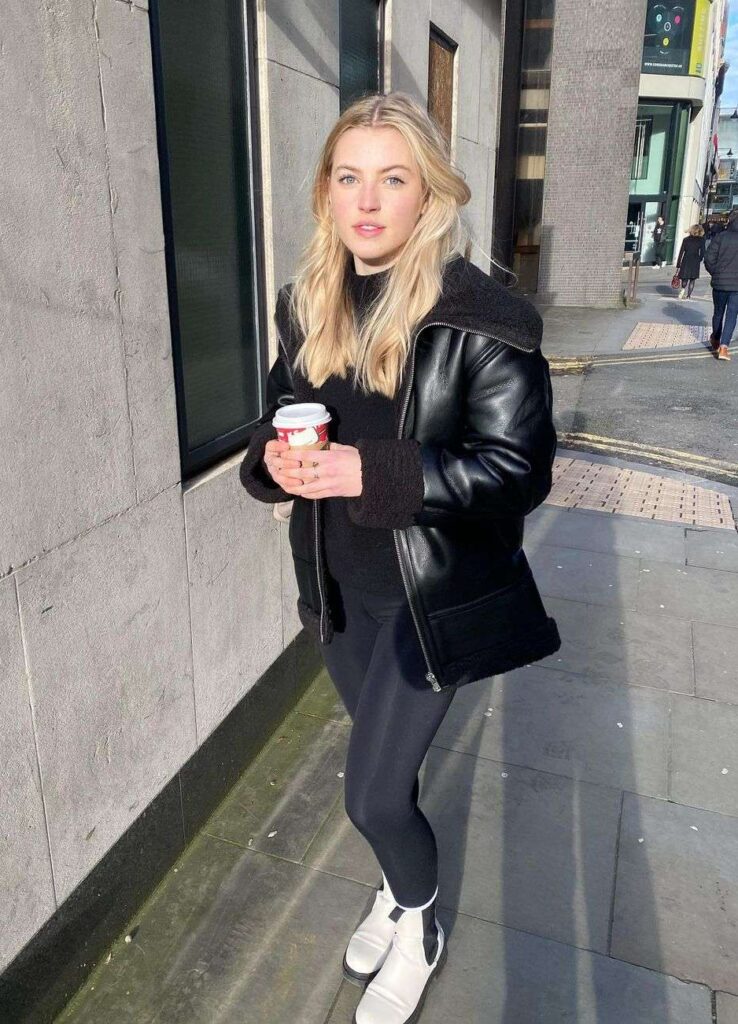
(676, 281)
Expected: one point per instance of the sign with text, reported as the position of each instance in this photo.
(667, 44)
(699, 38)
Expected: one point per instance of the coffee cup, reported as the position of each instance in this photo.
(303, 425)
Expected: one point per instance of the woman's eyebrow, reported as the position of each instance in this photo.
(390, 168)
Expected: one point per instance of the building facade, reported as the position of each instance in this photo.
(679, 91)
(608, 119)
(154, 187)
(724, 181)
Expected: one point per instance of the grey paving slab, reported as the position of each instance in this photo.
(676, 897)
(497, 975)
(706, 595)
(323, 701)
(588, 576)
(233, 936)
(704, 754)
(712, 549)
(563, 723)
(727, 1008)
(622, 646)
(527, 849)
(279, 804)
(346, 1002)
(715, 661)
(604, 532)
(340, 849)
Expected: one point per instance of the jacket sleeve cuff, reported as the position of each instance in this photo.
(391, 483)
(253, 472)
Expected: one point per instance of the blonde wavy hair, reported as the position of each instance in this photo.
(696, 231)
(376, 350)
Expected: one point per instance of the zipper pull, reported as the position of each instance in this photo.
(433, 681)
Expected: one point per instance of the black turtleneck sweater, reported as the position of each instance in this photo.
(357, 555)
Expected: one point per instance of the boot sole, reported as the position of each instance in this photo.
(362, 980)
(415, 1016)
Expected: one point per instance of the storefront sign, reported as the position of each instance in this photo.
(667, 45)
(699, 38)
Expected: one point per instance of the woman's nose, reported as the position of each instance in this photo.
(368, 200)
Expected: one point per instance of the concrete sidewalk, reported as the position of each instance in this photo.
(586, 810)
(583, 331)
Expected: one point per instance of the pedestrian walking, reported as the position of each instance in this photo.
(406, 530)
(721, 262)
(691, 254)
(659, 242)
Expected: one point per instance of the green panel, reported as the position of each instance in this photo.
(656, 118)
(680, 145)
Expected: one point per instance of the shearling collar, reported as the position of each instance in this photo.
(471, 301)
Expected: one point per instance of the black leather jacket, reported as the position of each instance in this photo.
(476, 443)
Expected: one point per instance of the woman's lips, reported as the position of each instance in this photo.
(368, 232)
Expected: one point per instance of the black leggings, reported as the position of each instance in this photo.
(377, 666)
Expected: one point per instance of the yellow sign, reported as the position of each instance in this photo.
(700, 34)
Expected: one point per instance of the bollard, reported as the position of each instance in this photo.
(633, 261)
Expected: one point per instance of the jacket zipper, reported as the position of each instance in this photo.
(319, 567)
(430, 676)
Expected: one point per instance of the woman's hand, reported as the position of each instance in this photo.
(338, 470)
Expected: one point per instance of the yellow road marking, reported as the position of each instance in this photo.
(577, 364)
(673, 456)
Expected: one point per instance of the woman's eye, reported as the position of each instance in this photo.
(392, 177)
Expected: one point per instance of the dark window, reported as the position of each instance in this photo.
(536, 42)
(203, 89)
(360, 30)
(441, 81)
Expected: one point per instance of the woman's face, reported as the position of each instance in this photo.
(374, 180)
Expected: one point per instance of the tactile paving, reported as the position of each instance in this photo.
(579, 483)
(645, 335)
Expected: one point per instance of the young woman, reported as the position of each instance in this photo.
(406, 532)
(690, 257)
(659, 242)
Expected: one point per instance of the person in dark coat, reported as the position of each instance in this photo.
(721, 262)
(659, 242)
(406, 531)
(690, 258)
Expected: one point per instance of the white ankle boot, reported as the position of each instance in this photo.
(417, 954)
(371, 942)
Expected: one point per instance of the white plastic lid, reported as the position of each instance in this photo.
(302, 414)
